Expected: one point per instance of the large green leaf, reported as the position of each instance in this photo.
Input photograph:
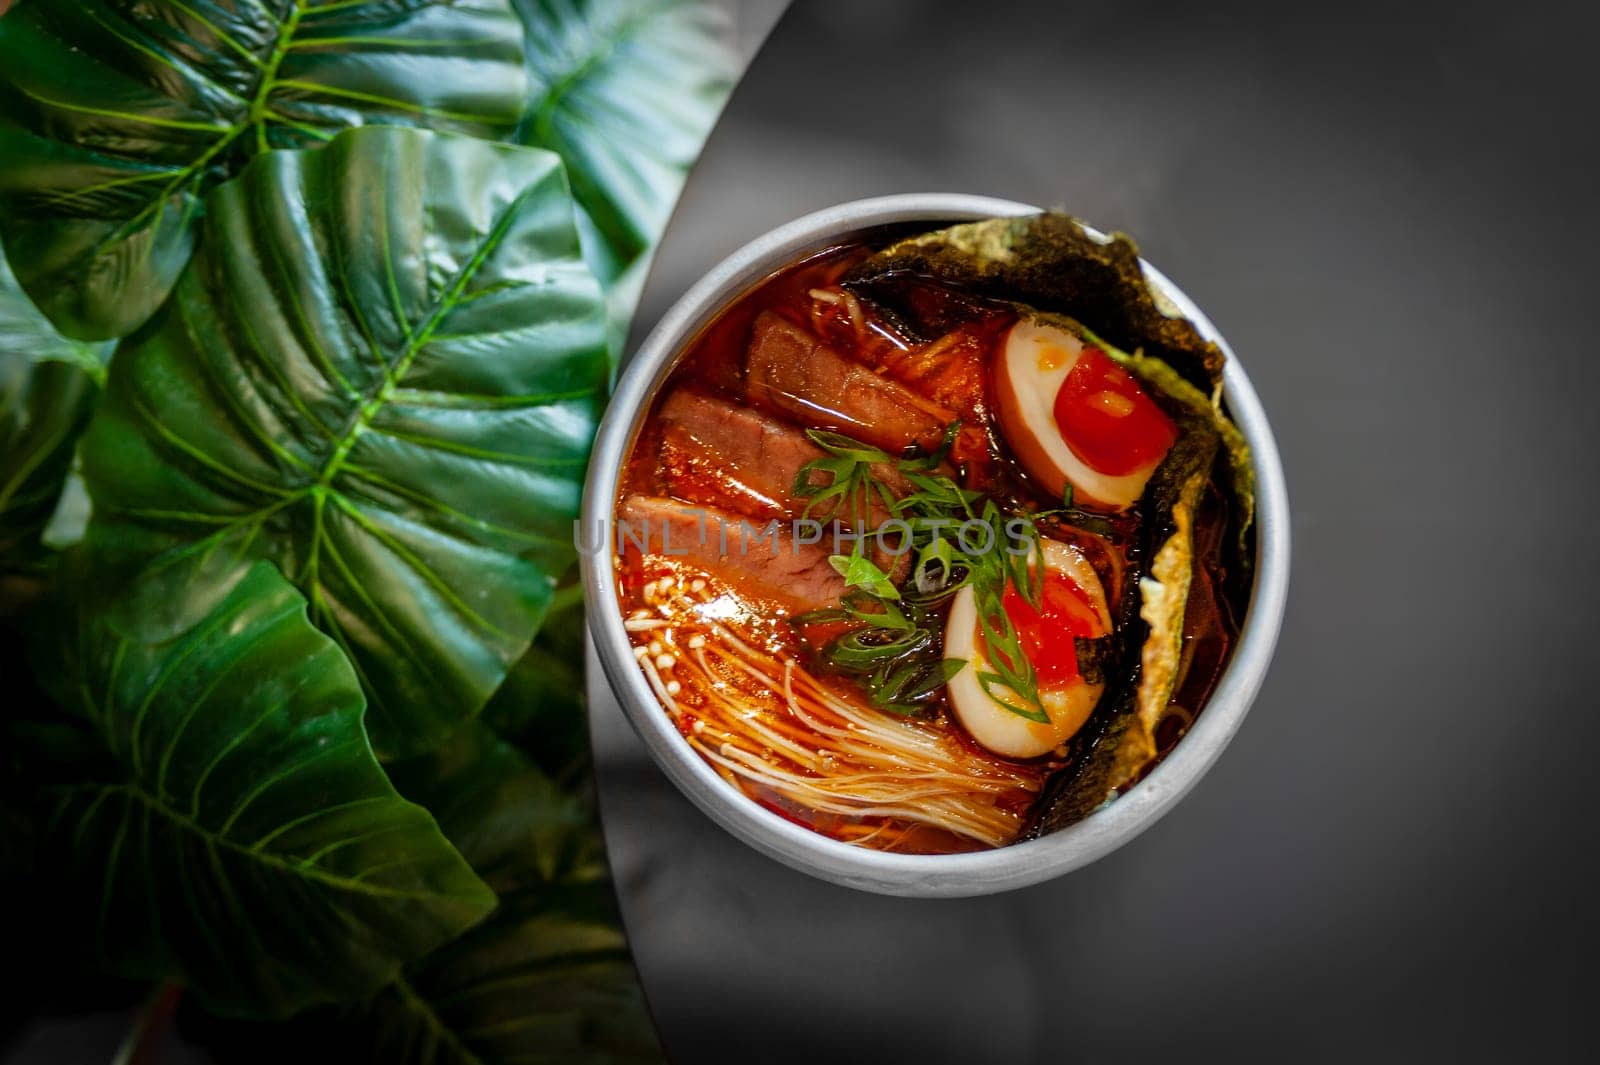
(121, 114)
(548, 977)
(241, 837)
(40, 922)
(540, 706)
(626, 91)
(47, 386)
(510, 820)
(383, 370)
(545, 979)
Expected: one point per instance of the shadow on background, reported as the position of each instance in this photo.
(1390, 214)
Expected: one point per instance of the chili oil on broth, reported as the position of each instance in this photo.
(744, 683)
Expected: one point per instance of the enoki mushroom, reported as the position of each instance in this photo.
(768, 724)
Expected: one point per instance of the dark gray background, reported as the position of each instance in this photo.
(1390, 212)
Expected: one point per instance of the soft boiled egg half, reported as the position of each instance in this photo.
(1073, 416)
(1072, 604)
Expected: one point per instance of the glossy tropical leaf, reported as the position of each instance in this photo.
(514, 824)
(547, 978)
(544, 981)
(41, 926)
(540, 707)
(243, 839)
(47, 387)
(121, 114)
(626, 91)
(383, 370)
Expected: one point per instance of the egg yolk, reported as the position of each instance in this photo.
(1106, 418)
(1046, 632)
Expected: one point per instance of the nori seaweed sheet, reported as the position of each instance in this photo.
(1050, 262)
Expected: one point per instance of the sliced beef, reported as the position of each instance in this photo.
(731, 456)
(779, 568)
(715, 452)
(789, 370)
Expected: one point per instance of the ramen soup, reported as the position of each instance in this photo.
(934, 542)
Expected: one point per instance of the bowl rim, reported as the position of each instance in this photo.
(916, 875)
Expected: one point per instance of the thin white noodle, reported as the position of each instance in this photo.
(858, 319)
(889, 335)
(815, 748)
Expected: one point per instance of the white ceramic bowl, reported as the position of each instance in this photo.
(980, 873)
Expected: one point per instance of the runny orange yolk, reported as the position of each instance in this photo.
(1046, 632)
(1106, 418)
